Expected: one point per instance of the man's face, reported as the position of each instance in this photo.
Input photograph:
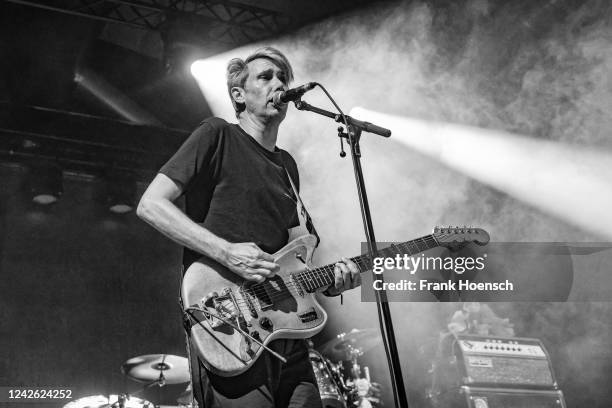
(263, 81)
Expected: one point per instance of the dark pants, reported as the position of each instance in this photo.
(270, 383)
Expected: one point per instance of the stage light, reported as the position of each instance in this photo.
(209, 73)
(569, 181)
(45, 183)
(201, 69)
(114, 98)
(120, 193)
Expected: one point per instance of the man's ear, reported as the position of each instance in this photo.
(237, 94)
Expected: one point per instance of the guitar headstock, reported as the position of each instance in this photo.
(457, 236)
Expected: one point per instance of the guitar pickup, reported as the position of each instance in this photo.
(308, 316)
(246, 295)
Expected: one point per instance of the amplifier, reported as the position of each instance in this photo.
(511, 362)
(476, 397)
(494, 362)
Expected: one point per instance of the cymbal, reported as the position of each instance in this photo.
(102, 401)
(164, 368)
(347, 345)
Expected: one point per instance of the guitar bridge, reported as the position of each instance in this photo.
(225, 307)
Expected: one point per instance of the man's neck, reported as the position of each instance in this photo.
(264, 133)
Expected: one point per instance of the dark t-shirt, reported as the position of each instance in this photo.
(235, 187)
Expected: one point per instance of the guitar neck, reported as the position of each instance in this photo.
(323, 276)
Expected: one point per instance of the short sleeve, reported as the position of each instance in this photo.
(292, 168)
(194, 156)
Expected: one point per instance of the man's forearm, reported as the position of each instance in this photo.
(167, 218)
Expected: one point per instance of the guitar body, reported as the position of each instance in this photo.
(276, 308)
(232, 320)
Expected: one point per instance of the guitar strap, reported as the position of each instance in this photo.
(303, 215)
(305, 219)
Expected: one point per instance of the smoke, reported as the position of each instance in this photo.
(540, 69)
(535, 70)
(577, 336)
(532, 70)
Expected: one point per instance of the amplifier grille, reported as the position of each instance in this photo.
(495, 398)
(507, 370)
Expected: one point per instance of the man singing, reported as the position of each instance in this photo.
(239, 208)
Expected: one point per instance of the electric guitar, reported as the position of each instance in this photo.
(232, 320)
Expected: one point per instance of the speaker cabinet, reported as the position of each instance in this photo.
(477, 397)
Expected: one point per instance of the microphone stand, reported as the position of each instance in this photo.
(354, 129)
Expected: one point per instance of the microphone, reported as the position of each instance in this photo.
(283, 97)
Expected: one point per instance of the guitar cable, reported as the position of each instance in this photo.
(236, 327)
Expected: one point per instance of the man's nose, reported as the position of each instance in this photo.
(279, 85)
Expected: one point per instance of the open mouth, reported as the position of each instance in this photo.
(271, 102)
(273, 95)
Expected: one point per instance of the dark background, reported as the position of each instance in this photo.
(83, 290)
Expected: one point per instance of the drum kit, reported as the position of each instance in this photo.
(341, 380)
(151, 370)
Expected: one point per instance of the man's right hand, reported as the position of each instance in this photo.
(248, 261)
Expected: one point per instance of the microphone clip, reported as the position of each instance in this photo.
(342, 135)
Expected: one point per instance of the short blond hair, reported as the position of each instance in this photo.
(238, 71)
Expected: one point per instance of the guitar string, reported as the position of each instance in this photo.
(311, 280)
(314, 275)
(290, 285)
(260, 291)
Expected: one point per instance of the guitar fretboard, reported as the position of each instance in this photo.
(314, 279)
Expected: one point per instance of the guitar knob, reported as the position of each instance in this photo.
(265, 323)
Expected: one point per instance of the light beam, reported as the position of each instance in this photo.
(571, 182)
